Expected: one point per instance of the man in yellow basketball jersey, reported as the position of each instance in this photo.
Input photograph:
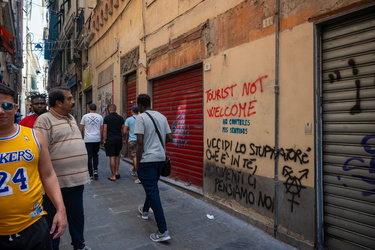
(25, 167)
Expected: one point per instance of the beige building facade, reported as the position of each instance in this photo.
(271, 104)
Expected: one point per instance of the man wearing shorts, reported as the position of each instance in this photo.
(113, 126)
(132, 139)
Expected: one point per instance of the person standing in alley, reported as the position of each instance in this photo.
(113, 125)
(131, 139)
(69, 159)
(92, 125)
(150, 161)
(39, 106)
(25, 170)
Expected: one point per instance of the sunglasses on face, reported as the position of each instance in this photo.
(7, 106)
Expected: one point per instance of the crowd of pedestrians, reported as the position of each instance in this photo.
(47, 158)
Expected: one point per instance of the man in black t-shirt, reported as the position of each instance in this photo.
(112, 139)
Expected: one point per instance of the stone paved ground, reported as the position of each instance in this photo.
(113, 222)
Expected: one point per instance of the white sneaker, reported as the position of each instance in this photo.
(84, 247)
(133, 173)
(137, 181)
(160, 236)
(144, 214)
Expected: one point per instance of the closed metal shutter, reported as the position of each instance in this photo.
(130, 100)
(180, 98)
(131, 92)
(348, 99)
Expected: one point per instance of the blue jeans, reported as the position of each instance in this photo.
(149, 174)
(73, 200)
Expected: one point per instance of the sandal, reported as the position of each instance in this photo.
(109, 178)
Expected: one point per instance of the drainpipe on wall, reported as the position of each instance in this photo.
(277, 93)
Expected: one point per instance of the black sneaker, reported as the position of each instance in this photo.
(96, 176)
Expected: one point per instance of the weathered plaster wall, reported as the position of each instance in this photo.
(119, 34)
(239, 159)
(166, 21)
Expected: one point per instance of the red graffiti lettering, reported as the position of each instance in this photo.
(244, 109)
(223, 93)
(251, 88)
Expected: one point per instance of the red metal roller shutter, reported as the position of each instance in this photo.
(131, 98)
(180, 98)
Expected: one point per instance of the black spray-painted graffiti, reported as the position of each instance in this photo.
(351, 164)
(356, 109)
(293, 184)
(239, 185)
(244, 155)
(238, 155)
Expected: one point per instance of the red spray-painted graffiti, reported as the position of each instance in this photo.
(240, 109)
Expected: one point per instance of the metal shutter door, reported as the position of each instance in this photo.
(180, 98)
(131, 98)
(348, 99)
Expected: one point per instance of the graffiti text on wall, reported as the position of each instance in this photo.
(235, 122)
(244, 155)
(357, 163)
(237, 110)
(244, 109)
(239, 186)
(356, 109)
(231, 155)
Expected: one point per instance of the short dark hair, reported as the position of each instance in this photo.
(56, 94)
(92, 106)
(37, 95)
(8, 91)
(112, 107)
(144, 100)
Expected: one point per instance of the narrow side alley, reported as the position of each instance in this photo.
(113, 222)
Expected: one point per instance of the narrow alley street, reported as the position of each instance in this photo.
(113, 222)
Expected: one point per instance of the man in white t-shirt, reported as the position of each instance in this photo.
(92, 124)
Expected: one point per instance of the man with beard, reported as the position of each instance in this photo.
(39, 106)
(69, 159)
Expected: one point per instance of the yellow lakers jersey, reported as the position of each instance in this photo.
(20, 184)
